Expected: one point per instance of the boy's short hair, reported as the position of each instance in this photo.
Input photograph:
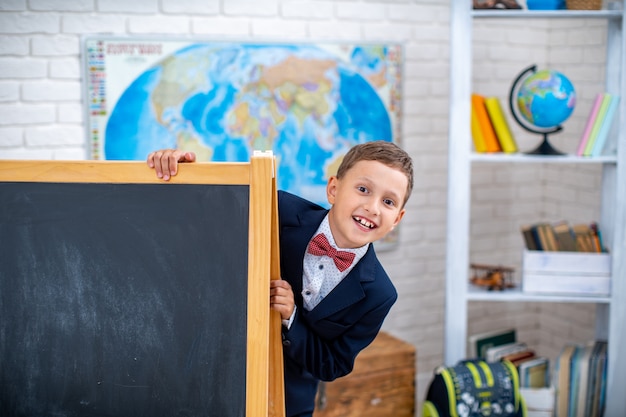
(384, 152)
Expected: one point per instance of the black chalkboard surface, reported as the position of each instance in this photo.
(124, 299)
(110, 308)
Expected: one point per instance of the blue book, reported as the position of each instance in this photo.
(605, 128)
(574, 382)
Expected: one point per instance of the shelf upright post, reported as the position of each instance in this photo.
(459, 143)
(616, 177)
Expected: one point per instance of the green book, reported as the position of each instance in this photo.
(597, 124)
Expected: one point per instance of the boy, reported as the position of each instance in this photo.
(334, 293)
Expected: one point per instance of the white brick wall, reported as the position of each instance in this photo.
(41, 117)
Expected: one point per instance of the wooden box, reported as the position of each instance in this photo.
(567, 273)
(382, 383)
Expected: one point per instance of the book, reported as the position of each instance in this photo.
(479, 343)
(599, 370)
(604, 362)
(529, 237)
(584, 239)
(545, 237)
(564, 236)
(589, 125)
(591, 383)
(496, 353)
(489, 134)
(597, 237)
(562, 379)
(553, 244)
(517, 358)
(597, 124)
(500, 125)
(574, 381)
(535, 373)
(603, 133)
(583, 380)
(477, 133)
(535, 230)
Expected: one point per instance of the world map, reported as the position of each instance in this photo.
(308, 103)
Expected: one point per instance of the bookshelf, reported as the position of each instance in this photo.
(611, 312)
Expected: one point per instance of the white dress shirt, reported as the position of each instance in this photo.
(320, 274)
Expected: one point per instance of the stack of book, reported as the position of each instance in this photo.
(598, 126)
(580, 380)
(490, 130)
(501, 345)
(561, 236)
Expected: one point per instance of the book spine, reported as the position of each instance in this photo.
(535, 230)
(529, 239)
(501, 127)
(589, 126)
(491, 141)
(477, 133)
(606, 127)
(598, 123)
(595, 237)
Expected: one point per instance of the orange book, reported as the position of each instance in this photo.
(489, 134)
(477, 134)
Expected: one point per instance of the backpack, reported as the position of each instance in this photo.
(475, 388)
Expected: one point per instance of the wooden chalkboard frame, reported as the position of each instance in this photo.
(264, 371)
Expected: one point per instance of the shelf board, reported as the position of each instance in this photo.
(525, 158)
(549, 14)
(516, 294)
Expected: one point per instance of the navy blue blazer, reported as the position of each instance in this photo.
(323, 343)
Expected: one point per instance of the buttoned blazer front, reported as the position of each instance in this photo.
(323, 343)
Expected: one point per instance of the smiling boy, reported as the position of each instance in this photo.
(334, 294)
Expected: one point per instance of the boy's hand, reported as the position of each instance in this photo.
(281, 298)
(165, 161)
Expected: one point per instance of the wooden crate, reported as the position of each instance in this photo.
(382, 383)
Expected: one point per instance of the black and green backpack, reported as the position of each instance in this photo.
(475, 388)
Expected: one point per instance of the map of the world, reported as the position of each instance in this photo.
(308, 103)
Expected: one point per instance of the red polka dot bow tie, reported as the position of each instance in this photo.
(320, 246)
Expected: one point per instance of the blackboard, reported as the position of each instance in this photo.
(126, 299)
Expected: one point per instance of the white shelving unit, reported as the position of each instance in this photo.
(611, 317)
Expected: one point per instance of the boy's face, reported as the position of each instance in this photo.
(366, 203)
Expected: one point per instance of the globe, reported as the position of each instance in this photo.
(223, 101)
(540, 101)
(546, 98)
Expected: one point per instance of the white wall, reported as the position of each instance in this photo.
(41, 117)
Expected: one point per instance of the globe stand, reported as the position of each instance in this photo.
(544, 148)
